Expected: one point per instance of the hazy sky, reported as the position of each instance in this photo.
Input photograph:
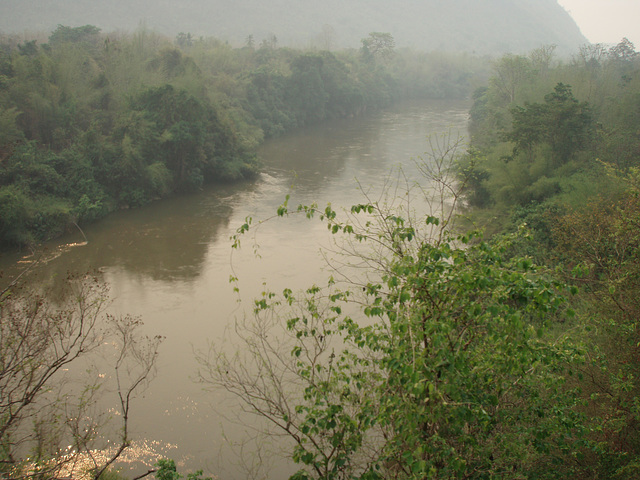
(606, 21)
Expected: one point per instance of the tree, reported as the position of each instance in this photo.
(378, 46)
(184, 40)
(10, 134)
(41, 413)
(87, 34)
(167, 471)
(305, 90)
(599, 247)
(562, 122)
(436, 363)
(511, 72)
(327, 37)
(541, 59)
(624, 51)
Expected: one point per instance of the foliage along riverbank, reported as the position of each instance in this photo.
(516, 357)
(91, 123)
(556, 151)
(511, 357)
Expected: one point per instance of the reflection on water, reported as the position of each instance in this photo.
(170, 262)
(142, 453)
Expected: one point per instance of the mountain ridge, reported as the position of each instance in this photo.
(486, 26)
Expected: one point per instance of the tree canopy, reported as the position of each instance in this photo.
(92, 122)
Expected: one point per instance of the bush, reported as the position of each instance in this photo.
(14, 213)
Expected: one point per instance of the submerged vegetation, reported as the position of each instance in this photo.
(91, 122)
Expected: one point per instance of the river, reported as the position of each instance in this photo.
(170, 262)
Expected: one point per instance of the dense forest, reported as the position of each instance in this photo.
(555, 152)
(554, 138)
(487, 27)
(93, 122)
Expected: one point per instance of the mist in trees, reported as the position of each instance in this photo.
(549, 132)
(508, 355)
(95, 122)
(381, 372)
(489, 27)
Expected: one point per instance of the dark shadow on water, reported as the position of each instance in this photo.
(166, 240)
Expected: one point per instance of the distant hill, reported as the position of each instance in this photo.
(480, 26)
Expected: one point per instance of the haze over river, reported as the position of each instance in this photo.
(170, 262)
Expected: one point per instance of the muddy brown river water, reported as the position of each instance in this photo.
(170, 263)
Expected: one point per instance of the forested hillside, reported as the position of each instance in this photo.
(556, 153)
(511, 353)
(489, 26)
(547, 133)
(94, 122)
